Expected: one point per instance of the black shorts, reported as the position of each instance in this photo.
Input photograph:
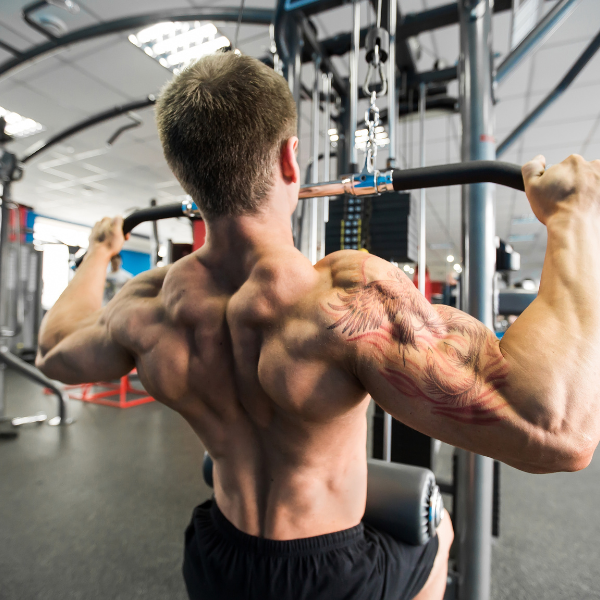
(361, 563)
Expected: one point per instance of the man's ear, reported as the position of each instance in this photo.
(290, 170)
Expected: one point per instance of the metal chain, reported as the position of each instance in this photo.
(371, 121)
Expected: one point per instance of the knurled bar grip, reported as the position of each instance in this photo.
(476, 171)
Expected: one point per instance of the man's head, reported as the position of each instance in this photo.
(224, 124)
(115, 262)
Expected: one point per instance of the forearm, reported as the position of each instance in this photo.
(81, 299)
(553, 349)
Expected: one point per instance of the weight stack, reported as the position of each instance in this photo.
(384, 225)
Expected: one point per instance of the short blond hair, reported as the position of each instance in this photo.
(222, 123)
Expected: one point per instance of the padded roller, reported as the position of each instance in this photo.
(403, 501)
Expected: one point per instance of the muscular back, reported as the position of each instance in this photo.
(253, 369)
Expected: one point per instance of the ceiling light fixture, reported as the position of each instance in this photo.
(449, 258)
(19, 126)
(176, 44)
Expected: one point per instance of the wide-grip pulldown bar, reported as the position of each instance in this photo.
(364, 184)
(375, 183)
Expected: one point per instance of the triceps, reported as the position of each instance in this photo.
(439, 355)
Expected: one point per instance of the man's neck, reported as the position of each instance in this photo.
(235, 244)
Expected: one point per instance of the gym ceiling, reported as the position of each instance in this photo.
(83, 179)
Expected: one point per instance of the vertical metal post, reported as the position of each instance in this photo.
(292, 66)
(313, 203)
(422, 205)
(474, 483)
(154, 242)
(324, 202)
(391, 77)
(387, 437)
(3, 247)
(353, 117)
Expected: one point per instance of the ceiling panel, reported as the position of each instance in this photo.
(517, 82)
(553, 62)
(125, 67)
(582, 23)
(32, 103)
(569, 133)
(71, 88)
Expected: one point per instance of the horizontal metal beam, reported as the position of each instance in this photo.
(409, 25)
(85, 124)
(546, 27)
(564, 83)
(253, 16)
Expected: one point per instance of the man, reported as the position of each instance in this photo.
(116, 278)
(271, 359)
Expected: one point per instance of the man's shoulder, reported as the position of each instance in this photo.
(147, 283)
(352, 268)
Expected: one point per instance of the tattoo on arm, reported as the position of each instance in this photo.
(463, 367)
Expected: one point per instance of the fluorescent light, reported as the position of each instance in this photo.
(332, 131)
(449, 258)
(19, 126)
(177, 44)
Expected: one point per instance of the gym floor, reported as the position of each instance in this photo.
(97, 510)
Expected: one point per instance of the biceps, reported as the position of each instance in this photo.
(86, 356)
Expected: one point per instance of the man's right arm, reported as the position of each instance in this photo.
(531, 400)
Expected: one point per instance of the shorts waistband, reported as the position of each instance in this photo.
(303, 546)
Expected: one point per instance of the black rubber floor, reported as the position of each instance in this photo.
(97, 510)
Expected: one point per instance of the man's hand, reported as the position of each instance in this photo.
(108, 235)
(571, 186)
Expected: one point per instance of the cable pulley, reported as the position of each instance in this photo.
(377, 47)
(378, 37)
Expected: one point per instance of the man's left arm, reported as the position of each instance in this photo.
(76, 342)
